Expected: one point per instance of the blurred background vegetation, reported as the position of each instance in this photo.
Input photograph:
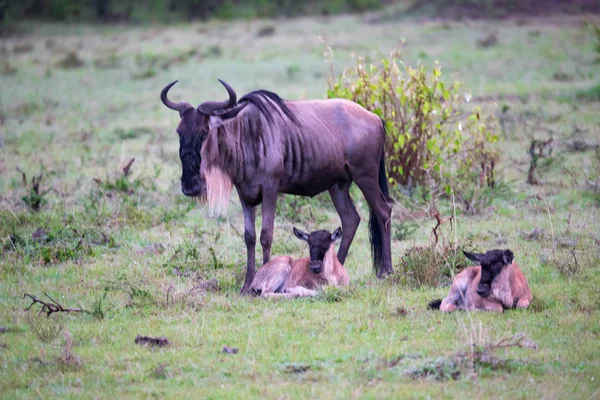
(171, 10)
(164, 10)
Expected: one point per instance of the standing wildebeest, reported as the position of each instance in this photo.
(283, 277)
(264, 145)
(497, 284)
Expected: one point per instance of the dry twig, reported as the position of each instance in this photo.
(127, 167)
(49, 307)
(518, 340)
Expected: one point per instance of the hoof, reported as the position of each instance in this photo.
(246, 291)
(384, 272)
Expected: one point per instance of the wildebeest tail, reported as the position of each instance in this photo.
(435, 304)
(374, 231)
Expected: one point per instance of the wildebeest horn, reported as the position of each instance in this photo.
(172, 105)
(211, 106)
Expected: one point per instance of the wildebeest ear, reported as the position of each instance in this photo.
(473, 256)
(336, 235)
(508, 257)
(301, 235)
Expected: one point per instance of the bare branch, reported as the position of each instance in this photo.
(49, 307)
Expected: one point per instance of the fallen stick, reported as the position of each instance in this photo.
(49, 307)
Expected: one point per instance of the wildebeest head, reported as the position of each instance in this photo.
(492, 263)
(318, 244)
(192, 131)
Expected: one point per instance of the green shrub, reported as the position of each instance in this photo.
(427, 126)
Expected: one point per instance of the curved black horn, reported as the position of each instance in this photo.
(211, 106)
(170, 104)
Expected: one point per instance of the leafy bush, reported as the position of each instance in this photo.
(426, 124)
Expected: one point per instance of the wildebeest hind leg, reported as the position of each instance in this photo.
(269, 203)
(250, 240)
(382, 211)
(340, 196)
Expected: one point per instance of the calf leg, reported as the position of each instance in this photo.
(340, 196)
(456, 298)
(487, 305)
(523, 302)
(292, 293)
(301, 291)
(272, 277)
(250, 240)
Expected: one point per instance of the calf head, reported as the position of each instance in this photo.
(492, 263)
(192, 131)
(319, 243)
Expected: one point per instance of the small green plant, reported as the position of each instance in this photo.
(71, 61)
(538, 149)
(335, 294)
(98, 308)
(47, 330)
(161, 371)
(429, 266)
(596, 31)
(403, 231)
(36, 198)
(441, 369)
(138, 295)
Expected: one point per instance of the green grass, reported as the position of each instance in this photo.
(144, 260)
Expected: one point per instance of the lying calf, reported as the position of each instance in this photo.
(283, 277)
(497, 284)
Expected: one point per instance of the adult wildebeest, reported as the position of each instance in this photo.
(264, 145)
(283, 277)
(497, 284)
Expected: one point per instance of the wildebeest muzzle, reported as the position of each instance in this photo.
(316, 267)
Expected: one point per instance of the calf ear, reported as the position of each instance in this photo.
(336, 235)
(473, 256)
(301, 235)
(508, 257)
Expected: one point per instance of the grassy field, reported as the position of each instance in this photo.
(78, 102)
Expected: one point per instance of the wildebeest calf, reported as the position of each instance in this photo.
(283, 277)
(497, 284)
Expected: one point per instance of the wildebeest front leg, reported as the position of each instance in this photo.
(340, 196)
(269, 203)
(250, 240)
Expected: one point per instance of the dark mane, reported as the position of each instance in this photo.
(263, 100)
